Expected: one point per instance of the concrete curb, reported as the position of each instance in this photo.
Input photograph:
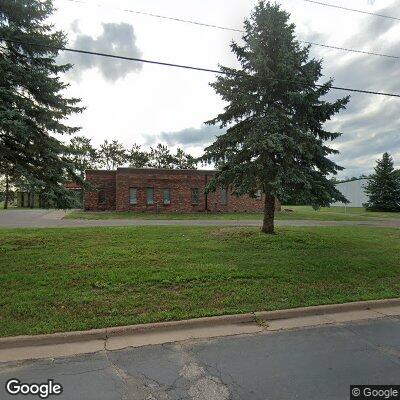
(106, 333)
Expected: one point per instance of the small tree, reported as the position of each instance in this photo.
(82, 154)
(138, 158)
(275, 140)
(184, 160)
(112, 155)
(383, 187)
(161, 157)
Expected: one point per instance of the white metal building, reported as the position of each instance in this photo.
(354, 192)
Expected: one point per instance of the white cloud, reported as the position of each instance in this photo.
(116, 39)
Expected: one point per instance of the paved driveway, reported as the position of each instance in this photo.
(53, 219)
(307, 364)
(22, 218)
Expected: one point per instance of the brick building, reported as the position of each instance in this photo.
(162, 190)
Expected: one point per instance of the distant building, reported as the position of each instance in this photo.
(29, 200)
(353, 191)
(162, 190)
(32, 199)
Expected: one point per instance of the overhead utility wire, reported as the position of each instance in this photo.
(352, 9)
(188, 21)
(184, 66)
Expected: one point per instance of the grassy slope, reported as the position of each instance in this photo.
(71, 279)
(299, 212)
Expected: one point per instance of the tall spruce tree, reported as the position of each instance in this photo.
(383, 187)
(275, 140)
(32, 105)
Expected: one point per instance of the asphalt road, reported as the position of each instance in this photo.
(309, 363)
(53, 219)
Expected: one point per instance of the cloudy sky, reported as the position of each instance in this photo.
(146, 104)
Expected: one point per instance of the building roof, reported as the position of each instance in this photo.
(155, 170)
(352, 180)
(72, 186)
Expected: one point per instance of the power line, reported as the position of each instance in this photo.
(188, 21)
(352, 9)
(165, 64)
(370, 53)
(112, 56)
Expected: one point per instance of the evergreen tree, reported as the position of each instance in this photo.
(112, 154)
(33, 107)
(161, 157)
(184, 160)
(138, 158)
(275, 140)
(383, 187)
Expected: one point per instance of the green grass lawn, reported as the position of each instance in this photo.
(298, 212)
(71, 279)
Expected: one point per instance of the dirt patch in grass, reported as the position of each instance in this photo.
(23, 242)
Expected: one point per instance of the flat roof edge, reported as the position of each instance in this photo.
(153, 170)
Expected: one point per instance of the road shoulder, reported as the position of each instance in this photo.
(114, 338)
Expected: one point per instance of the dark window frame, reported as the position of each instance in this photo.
(130, 197)
(224, 196)
(152, 200)
(102, 197)
(195, 196)
(169, 201)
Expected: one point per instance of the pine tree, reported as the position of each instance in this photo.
(137, 157)
(275, 140)
(383, 187)
(184, 160)
(33, 107)
(161, 157)
(112, 154)
(82, 154)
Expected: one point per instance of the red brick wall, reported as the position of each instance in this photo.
(116, 185)
(179, 181)
(234, 203)
(101, 180)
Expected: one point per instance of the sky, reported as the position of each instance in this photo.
(147, 104)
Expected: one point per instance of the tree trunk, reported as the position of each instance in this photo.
(269, 214)
(6, 193)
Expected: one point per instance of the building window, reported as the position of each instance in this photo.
(102, 197)
(258, 194)
(133, 196)
(167, 196)
(150, 195)
(195, 196)
(224, 196)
